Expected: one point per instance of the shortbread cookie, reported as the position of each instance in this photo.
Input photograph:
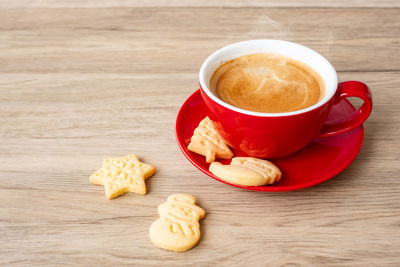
(247, 171)
(207, 142)
(178, 227)
(120, 175)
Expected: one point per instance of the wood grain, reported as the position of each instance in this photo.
(200, 3)
(79, 84)
(151, 40)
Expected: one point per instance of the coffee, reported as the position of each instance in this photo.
(268, 83)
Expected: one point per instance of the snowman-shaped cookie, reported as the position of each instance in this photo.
(178, 227)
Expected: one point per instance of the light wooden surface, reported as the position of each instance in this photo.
(81, 80)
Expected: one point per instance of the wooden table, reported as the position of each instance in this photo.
(81, 80)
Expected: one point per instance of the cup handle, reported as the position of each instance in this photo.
(349, 89)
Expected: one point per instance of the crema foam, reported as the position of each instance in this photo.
(268, 83)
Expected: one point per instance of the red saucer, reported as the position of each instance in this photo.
(321, 160)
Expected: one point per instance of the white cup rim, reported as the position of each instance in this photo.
(313, 59)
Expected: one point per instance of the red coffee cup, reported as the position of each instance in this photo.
(273, 135)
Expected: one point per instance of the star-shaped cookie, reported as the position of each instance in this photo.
(120, 175)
